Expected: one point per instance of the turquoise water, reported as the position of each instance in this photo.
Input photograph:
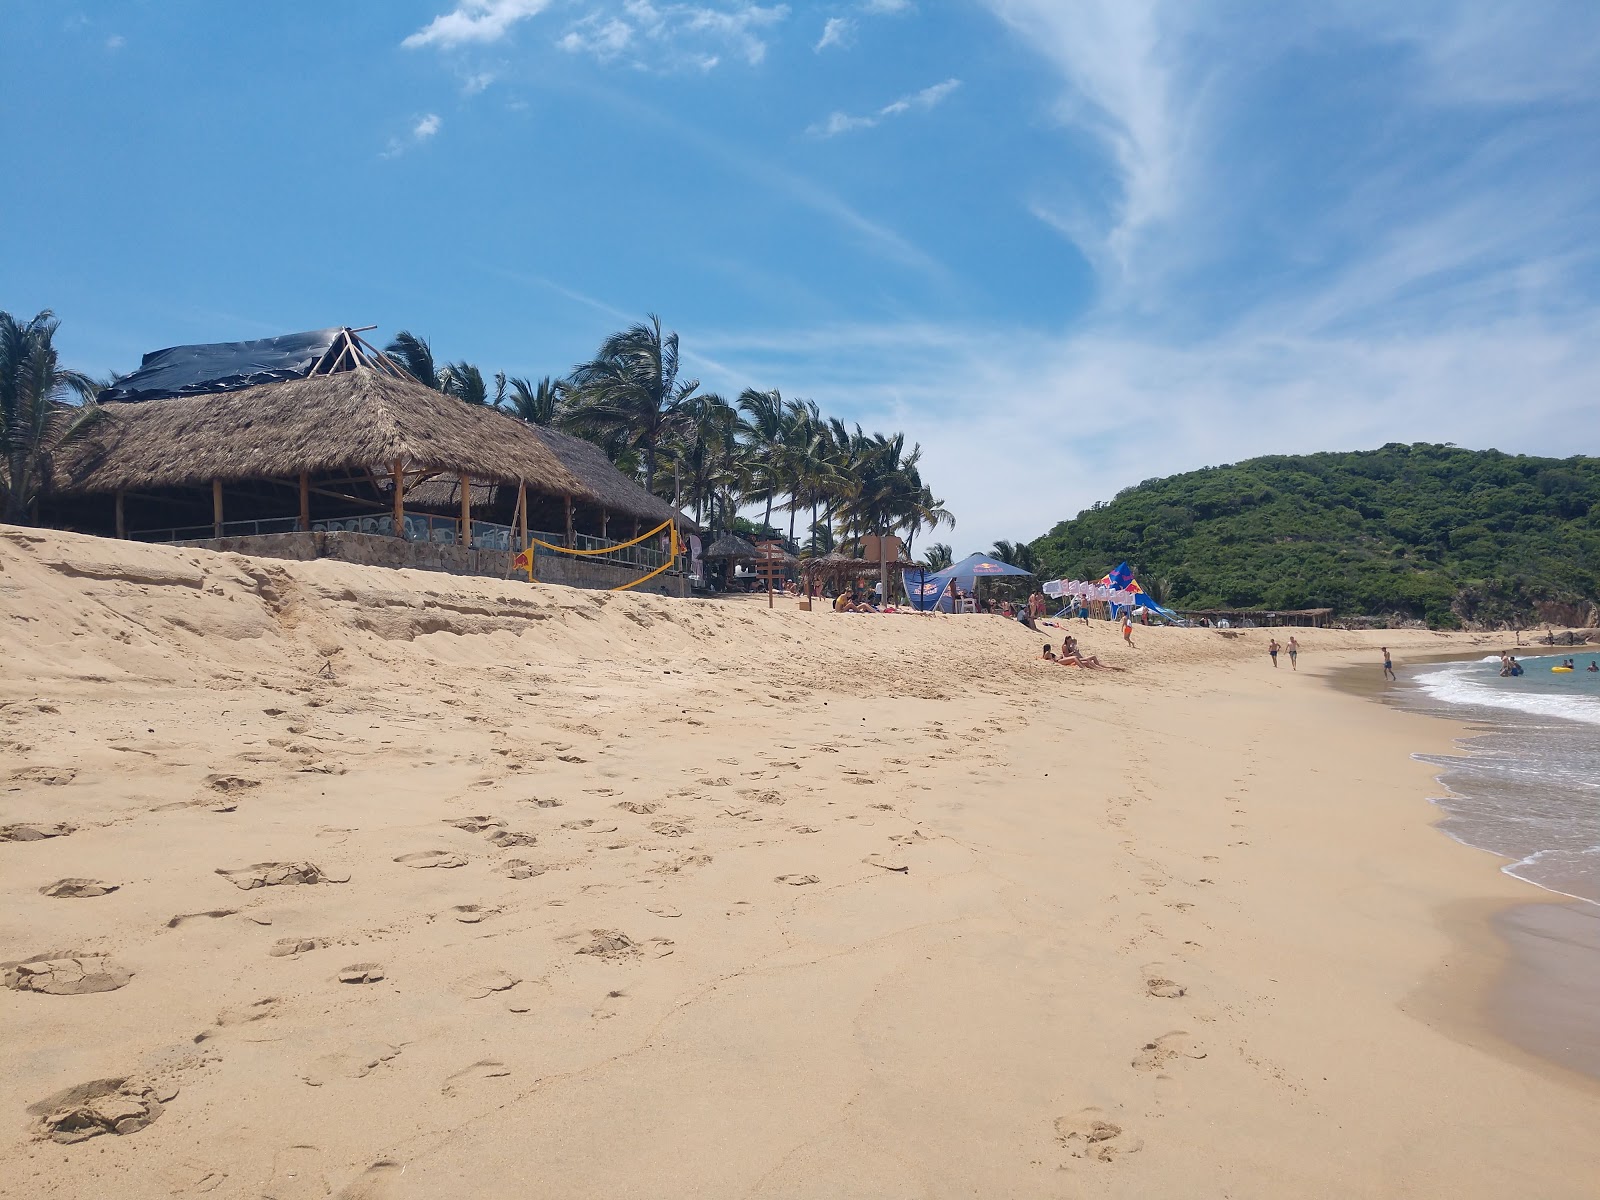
(1528, 787)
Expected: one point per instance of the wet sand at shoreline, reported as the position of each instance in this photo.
(536, 891)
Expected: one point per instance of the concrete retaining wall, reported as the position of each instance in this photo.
(372, 550)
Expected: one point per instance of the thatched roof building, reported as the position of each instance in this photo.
(355, 421)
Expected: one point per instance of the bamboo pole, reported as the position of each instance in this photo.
(216, 508)
(305, 501)
(522, 512)
(122, 517)
(466, 512)
(398, 474)
(570, 543)
(605, 524)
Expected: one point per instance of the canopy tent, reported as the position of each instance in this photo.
(1118, 588)
(929, 591)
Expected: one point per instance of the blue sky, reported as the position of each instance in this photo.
(1065, 244)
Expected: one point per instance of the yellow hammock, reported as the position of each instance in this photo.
(524, 558)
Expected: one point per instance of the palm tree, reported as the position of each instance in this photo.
(630, 391)
(36, 415)
(536, 404)
(416, 356)
(937, 556)
(1018, 554)
(766, 426)
(465, 382)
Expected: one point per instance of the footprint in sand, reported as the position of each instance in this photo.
(48, 776)
(357, 1061)
(64, 974)
(634, 806)
(1153, 1056)
(77, 889)
(174, 922)
(258, 1010)
(297, 1174)
(518, 868)
(484, 1068)
(546, 803)
(797, 880)
(477, 824)
(507, 838)
(377, 1182)
(33, 831)
(259, 875)
(366, 972)
(471, 914)
(423, 859)
(228, 784)
(289, 947)
(612, 945)
(120, 1106)
(1087, 1134)
(479, 984)
(1160, 985)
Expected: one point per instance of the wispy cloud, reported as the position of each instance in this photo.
(474, 22)
(425, 128)
(116, 42)
(928, 98)
(476, 82)
(836, 31)
(656, 37)
(887, 7)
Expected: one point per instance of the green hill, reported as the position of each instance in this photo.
(1433, 531)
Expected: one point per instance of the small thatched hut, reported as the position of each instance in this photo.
(731, 547)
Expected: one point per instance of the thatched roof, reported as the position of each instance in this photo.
(610, 488)
(730, 546)
(351, 420)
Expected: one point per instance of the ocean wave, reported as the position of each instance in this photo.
(1453, 685)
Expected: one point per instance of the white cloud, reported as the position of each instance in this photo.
(887, 7)
(426, 127)
(476, 82)
(928, 98)
(836, 31)
(474, 21)
(116, 42)
(673, 36)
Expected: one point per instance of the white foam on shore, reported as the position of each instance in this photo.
(1451, 685)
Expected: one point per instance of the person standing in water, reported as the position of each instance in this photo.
(1272, 649)
(1388, 664)
(1294, 653)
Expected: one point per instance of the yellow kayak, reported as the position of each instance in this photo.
(1558, 670)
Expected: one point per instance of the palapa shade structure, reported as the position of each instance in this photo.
(731, 547)
(606, 486)
(350, 421)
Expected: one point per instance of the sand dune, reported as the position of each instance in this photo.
(331, 880)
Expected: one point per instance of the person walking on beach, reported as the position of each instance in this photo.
(1388, 663)
(1272, 649)
(1294, 653)
(1127, 626)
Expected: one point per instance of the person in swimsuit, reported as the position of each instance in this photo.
(1388, 663)
(1294, 652)
(1591, 666)
(1272, 649)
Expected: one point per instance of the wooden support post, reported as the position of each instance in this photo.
(605, 523)
(570, 543)
(522, 512)
(398, 474)
(305, 501)
(466, 512)
(216, 508)
(122, 517)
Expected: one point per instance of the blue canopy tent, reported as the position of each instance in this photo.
(930, 591)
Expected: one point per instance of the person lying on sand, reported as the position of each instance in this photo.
(1071, 655)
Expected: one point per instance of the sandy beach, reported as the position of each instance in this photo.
(385, 884)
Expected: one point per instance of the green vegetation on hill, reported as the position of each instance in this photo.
(1433, 531)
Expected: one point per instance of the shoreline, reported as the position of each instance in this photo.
(1542, 990)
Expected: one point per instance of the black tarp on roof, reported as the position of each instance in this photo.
(222, 366)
